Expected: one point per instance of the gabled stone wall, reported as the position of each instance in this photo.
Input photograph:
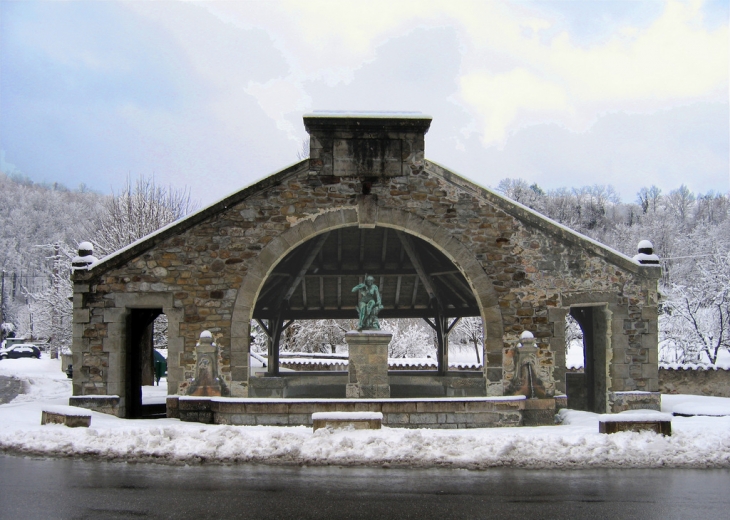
(205, 273)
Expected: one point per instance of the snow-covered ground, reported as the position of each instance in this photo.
(696, 441)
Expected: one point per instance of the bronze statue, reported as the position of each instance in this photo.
(368, 304)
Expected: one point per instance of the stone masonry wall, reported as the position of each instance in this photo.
(533, 268)
(715, 382)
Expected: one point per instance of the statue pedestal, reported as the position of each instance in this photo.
(368, 365)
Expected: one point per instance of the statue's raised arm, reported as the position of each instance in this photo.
(369, 304)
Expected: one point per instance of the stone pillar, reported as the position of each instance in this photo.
(368, 365)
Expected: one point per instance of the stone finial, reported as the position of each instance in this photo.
(85, 258)
(646, 254)
(527, 339)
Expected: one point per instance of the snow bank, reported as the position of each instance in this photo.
(636, 415)
(571, 446)
(67, 410)
(696, 442)
(696, 405)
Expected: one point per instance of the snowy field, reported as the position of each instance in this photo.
(697, 442)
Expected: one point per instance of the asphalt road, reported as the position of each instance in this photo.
(65, 488)
(9, 389)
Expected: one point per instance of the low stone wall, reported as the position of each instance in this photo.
(331, 385)
(454, 413)
(108, 404)
(695, 381)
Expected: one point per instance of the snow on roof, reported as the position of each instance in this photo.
(119, 252)
(645, 258)
(541, 216)
(367, 113)
(309, 361)
(392, 362)
(694, 366)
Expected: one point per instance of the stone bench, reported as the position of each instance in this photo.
(636, 421)
(68, 415)
(354, 420)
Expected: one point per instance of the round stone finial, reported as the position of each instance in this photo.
(645, 247)
(646, 253)
(86, 249)
(527, 339)
(85, 258)
(206, 340)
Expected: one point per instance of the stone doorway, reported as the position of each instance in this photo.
(140, 361)
(587, 391)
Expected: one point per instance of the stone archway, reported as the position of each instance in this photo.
(366, 214)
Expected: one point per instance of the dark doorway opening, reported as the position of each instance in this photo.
(587, 390)
(140, 368)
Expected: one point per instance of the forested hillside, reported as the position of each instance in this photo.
(41, 226)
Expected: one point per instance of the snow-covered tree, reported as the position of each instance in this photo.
(159, 331)
(317, 336)
(259, 339)
(50, 311)
(412, 338)
(470, 331)
(137, 211)
(695, 324)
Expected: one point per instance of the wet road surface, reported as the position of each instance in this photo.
(65, 488)
(9, 389)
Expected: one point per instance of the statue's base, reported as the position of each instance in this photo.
(206, 391)
(359, 391)
(368, 364)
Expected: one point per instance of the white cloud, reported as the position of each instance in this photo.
(278, 98)
(518, 66)
(503, 99)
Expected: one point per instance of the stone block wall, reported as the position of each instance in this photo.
(205, 273)
(447, 414)
(695, 381)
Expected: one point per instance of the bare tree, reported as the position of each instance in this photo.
(136, 212)
(411, 338)
(317, 336)
(48, 313)
(303, 152)
(696, 318)
(470, 330)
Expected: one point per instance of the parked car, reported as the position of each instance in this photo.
(20, 350)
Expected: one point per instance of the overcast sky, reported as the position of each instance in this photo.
(211, 95)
